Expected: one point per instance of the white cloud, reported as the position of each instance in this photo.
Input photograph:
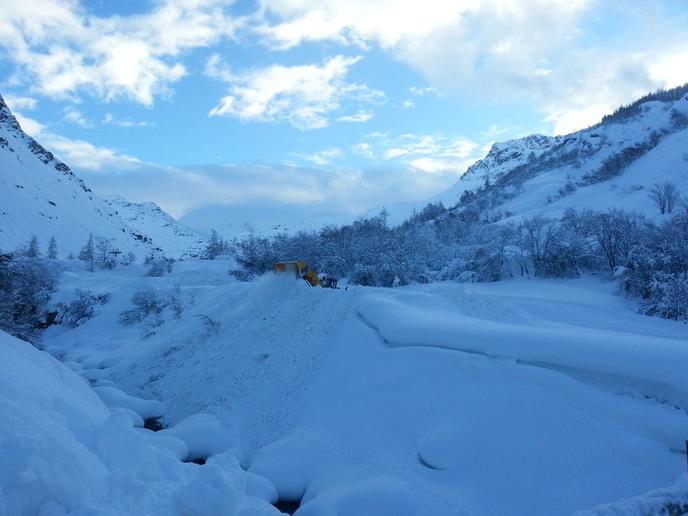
(428, 154)
(552, 54)
(361, 116)
(408, 104)
(428, 90)
(110, 119)
(304, 95)
(62, 49)
(19, 102)
(364, 149)
(322, 158)
(306, 190)
(76, 153)
(74, 116)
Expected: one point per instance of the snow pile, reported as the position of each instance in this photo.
(203, 435)
(665, 501)
(64, 452)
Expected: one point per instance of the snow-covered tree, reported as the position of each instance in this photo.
(82, 308)
(215, 246)
(670, 296)
(88, 252)
(127, 259)
(105, 254)
(32, 251)
(52, 249)
(26, 285)
(666, 197)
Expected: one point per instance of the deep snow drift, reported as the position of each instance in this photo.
(65, 452)
(515, 398)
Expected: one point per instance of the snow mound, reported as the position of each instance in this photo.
(63, 452)
(114, 397)
(203, 434)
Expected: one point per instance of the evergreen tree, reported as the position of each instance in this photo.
(215, 246)
(88, 252)
(52, 249)
(33, 251)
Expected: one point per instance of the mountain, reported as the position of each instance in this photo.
(42, 196)
(613, 164)
(176, 239)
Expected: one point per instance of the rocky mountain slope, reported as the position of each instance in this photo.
(42, 196)
(613, 164)
(175, 238)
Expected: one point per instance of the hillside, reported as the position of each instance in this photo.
(177, 240)
(42, 196)
(613, 164)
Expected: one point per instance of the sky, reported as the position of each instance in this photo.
(334, 106)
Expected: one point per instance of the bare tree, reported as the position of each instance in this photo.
(665, 196)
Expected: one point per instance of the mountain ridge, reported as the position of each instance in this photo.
(43, 197)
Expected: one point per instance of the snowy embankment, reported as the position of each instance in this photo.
(65, 452)
(605, 347)
(358, 402)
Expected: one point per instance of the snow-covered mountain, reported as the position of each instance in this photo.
(613, 164)
(42, 196)
(175, 238)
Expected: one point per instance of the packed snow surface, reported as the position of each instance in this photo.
(517, 398)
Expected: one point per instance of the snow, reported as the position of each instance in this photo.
(429, 398)
(114, 397)
(654, 502)
(523, 397)
(425, 319)
(64, 452)
(541, 194)
(41, 196)
(203, 435)
(176, 240)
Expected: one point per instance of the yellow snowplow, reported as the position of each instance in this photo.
(300, 269)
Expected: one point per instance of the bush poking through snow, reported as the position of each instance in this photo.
(176, 302)
(211, 325)
(159, 265)
(146, 303)
(127, 259)
(82, 308)
(149, 305)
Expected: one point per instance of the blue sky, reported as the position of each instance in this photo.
(341, 104)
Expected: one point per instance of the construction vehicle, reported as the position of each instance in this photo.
(300, 269)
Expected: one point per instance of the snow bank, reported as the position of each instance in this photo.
(63, 452)
(644, 364)
(668, 500)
